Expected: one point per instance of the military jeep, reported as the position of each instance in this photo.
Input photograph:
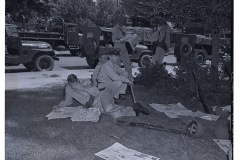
(34, 55)
(97, 39)
(194, 47)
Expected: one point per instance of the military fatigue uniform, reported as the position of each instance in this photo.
(119, 32)
(103, 101)
(113, 79)
(163, 39)
(95, 73)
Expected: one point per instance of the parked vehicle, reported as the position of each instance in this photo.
(61, 36)
(97, 39)
(32, 54)
(196, 47)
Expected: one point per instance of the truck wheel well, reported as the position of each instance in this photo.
(42, 53)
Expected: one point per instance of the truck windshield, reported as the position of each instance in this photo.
(12, 31)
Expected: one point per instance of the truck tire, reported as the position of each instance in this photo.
(90, 46)
(92, 63)
(29, 66)
(145, 60)
(186, 49)
(44, 62)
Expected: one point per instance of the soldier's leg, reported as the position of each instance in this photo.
(124, 57)
(156, 56)
(116, 88)
(161, 56)
(114, 110)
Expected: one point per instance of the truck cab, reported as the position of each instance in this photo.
(34, 55)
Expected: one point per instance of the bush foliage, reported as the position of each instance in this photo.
(191, 81)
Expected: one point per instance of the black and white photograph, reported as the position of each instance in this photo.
(119, 80)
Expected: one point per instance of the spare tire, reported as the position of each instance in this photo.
(90, 46)
(186, 49)
(145, 60)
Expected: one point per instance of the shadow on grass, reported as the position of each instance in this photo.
(75, 67)
(17, 70)
(30, 135)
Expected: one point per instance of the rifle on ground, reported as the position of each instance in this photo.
(191, 129)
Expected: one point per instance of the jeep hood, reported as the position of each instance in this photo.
(26, 43)
(35, 44)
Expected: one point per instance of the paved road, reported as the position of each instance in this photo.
(18, 77)
(68, 62)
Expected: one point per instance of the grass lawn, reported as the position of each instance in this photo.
(31, 136)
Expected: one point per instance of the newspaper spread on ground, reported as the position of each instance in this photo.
(176, 110)
(76, 114)
(224, 144)
(119, 152)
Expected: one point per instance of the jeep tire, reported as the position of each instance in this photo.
(44, 62)
(145, 60)
(199, 58)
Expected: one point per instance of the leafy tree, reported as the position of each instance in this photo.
(81, 12)
(107, 12)
(29, 8)
(214, 14)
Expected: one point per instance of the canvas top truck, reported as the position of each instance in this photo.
(34, 55)
(61, 36)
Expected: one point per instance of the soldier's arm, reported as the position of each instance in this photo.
(114, 35)
(120, 71)
(114, 76)
(162, 34)
(95, 74)
(68, 98)
(152, 37)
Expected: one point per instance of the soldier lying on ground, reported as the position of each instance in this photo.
(88, 95)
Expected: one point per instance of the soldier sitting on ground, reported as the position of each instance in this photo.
(103, 57)
(113, 78)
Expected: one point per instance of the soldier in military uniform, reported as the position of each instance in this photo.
(113, 78)
(162, 36)
(118, 33)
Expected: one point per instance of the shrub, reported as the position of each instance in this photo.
(214, 87)
(155, 75)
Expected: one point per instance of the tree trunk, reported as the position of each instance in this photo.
(215, 51)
